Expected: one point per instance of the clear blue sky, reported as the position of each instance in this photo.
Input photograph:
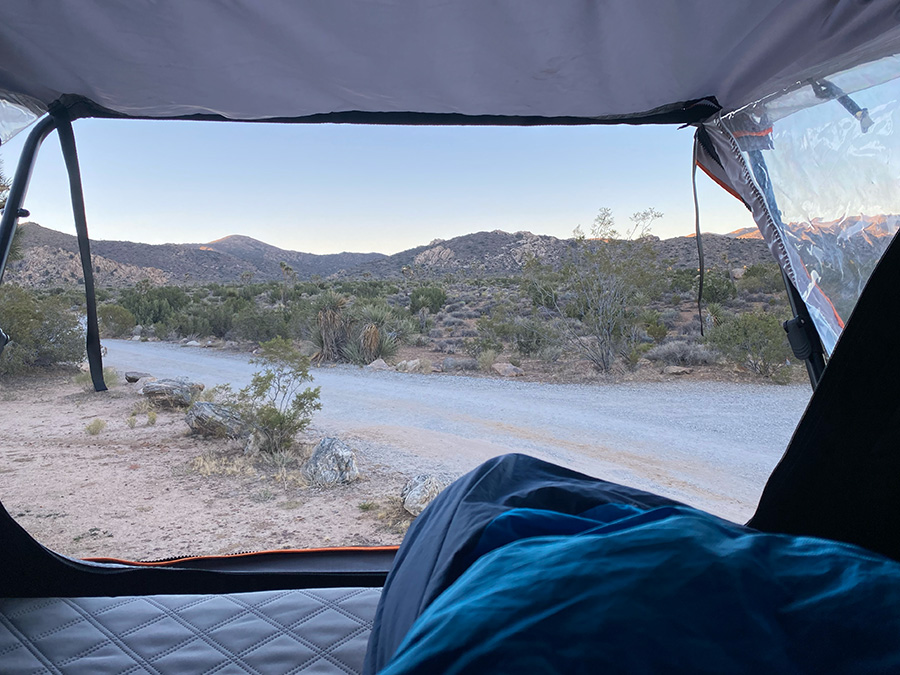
(326, 189)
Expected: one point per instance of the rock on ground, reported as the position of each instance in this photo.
(134, 375)
(332, 462)
(452, 363)
(421, 490)
(214, 419)
(415, 366)
(507, 370)
(176, 393)
(378, 364)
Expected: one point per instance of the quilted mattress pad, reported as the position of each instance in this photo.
(298, 631)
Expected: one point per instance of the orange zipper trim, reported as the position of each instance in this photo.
(158, 563)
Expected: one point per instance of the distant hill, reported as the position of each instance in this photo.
(52, 257)
(267, 259)
(48, 253)
(500, 253)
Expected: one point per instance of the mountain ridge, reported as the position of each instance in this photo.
(51, 257)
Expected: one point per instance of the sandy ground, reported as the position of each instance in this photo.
(142, 489)
(156, 491)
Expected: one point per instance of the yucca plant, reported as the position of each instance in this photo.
(384, 348)
(375, 339)
(331, 330)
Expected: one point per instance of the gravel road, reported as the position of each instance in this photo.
(709, 444)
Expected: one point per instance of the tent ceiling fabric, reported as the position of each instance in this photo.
(246, 60)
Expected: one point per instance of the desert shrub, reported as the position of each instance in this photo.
(682, 353)
(717, 286)
(151, 304)
(602, 286)
(151, 418)
(670, 317)
(755, 340)
(683, 281)
(654, 325)
(95, 426)
(486, 359)
(632, 352)
(259, 324)
(371, 288)
(131, 421)
(761, 278)
(110, 377)
(115, 321)
(215, 318)
(275, 404)
(187, 324)
(492, 330)
(43, 332)
(432, 297)
(715, 314)
(530, 335)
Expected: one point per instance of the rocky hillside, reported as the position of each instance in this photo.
(48, 255)
(51, 258)
(503, 254)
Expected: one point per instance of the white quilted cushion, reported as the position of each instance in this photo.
(301, 631)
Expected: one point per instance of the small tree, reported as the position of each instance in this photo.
(275, 404)
(755, 340)
(43, 332)
(115, 320)
(599, 287)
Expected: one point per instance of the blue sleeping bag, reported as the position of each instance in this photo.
(665, 590)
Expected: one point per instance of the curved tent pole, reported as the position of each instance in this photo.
(70, 155)
(19, 186)
(9, 220)
(59, 120)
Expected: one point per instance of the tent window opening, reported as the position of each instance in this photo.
(826, 158)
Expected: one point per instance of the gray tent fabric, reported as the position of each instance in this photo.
(283, 60)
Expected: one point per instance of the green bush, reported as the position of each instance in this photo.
(259, 324)
(151, 304)
(683, 281)
(755, 340)
(530, 335)
(95, 426)
(717, 286)
(43, 332)
(761, 278)
(275, 404)
(654, 325)
(115, 321)
(432, 297)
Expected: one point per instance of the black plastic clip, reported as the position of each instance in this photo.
(798, 337)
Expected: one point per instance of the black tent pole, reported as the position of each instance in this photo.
(13, 208)
(70, 155)
(20, 186)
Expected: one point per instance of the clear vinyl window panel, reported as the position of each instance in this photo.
(826, 157)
